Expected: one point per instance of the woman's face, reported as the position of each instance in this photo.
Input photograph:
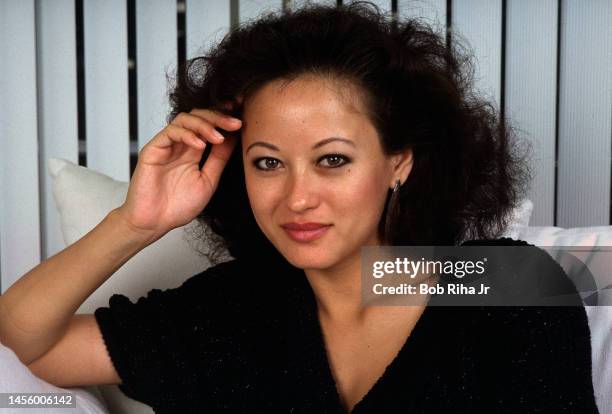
(311, 156)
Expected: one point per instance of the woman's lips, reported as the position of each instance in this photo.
(306, 235)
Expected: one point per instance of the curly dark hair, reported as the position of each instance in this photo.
(469, 171)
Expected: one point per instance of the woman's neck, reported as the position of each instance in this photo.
(338, 290)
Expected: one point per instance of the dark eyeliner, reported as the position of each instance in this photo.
(346, 159)
(257, 160)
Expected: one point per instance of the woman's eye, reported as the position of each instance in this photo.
(335, 160)
(267, 165)
(332, 161)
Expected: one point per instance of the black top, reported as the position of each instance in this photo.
(245, 337)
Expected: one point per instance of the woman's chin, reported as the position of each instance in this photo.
(308, 261)
(306, 255)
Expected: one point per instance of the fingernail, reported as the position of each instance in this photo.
(236, 121)
(218, 134)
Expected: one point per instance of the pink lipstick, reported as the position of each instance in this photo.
(305, 232)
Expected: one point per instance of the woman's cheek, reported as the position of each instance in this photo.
(264, 200)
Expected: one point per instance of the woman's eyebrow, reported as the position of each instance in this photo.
(315, 146)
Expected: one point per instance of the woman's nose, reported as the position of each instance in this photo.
(302, 193)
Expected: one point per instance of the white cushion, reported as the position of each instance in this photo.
(558, 236)
(83, 198)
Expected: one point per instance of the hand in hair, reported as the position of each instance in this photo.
(168, 189)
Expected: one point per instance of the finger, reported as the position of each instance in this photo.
(217, 160)
(199, 126)
(226, 122)
(175, 134)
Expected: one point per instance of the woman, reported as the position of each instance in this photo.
(350, 131)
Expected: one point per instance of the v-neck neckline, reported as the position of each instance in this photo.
(327, 375)
(408, 342)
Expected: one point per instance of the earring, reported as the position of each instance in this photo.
(392, 208)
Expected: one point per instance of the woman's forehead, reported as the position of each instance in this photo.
(313, 106)
(306, 92)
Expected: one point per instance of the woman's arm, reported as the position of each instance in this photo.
(36, 310)
(167, 190)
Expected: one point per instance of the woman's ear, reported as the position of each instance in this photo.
(402, 165)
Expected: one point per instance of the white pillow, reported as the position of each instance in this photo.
(577, 236)
(83, 198)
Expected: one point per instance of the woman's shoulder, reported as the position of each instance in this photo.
(521, 267)
(237, 275)
(202, 289)
(240, 283)
(211, 288)
(216, 273)
(528, 273)
(226, 281)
